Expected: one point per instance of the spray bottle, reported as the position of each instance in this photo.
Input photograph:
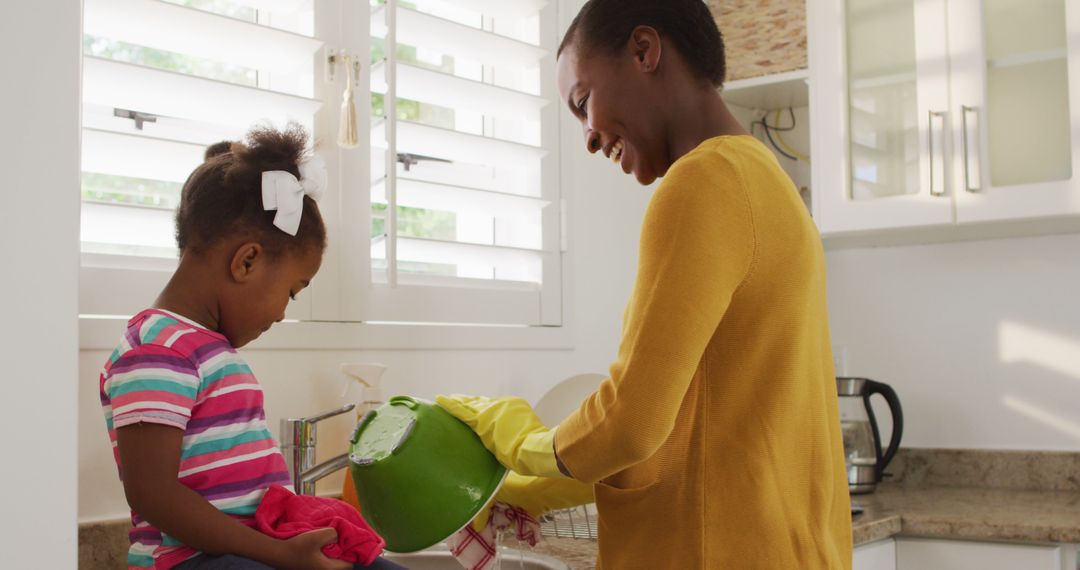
(367, 375)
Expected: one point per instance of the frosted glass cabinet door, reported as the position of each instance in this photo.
(1016, 108)
(880, 103)
(883, 99)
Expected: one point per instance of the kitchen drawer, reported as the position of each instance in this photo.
(877, 555)
(932, 554)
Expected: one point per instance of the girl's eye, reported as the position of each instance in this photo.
(581, 105)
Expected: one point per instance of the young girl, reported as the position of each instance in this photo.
(183, 410)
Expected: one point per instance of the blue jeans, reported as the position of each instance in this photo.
(230, 562)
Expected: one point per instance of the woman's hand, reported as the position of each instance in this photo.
(510, 430)
(537, 496)
(304, 552)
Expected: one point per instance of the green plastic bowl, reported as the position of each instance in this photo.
(420, 474)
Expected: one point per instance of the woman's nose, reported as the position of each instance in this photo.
(592, 140)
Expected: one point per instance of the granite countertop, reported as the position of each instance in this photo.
(937, 512)
(875, 523)
(971, 513)
(577, 553)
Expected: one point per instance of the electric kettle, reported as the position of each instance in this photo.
(863, 456)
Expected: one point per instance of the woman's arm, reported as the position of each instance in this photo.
(149, 463)
(697, 248)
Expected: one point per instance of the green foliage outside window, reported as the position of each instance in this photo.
(415, 222)
(109, 189)
(122, 190)
(407, 109)
(168, 61)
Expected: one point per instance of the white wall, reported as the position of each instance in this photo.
(39, 230)
(981, 339)
(605, 211)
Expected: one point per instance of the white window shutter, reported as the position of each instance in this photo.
(164, 79)
(464, 192)
(457, 183)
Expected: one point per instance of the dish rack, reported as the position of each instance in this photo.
(578, 522)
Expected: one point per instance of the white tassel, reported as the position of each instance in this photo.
(348, 133)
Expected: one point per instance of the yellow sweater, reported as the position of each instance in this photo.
(716, 441)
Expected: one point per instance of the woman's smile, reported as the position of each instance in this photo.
(616, 153)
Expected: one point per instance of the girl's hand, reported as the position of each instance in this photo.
(150, 459)
(304, 552)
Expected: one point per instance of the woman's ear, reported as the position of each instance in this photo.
(246, 261)
(645, 45)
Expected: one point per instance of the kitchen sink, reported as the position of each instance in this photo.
(439, 558)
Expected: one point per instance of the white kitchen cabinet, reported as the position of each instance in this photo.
(1015, 88)
(936, 112)
(935, 554)
(879, 95)
(877, 555)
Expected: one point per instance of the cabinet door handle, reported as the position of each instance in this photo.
(937, 152)
(972, 171)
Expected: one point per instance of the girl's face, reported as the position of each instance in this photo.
(617, 100)
(263, 287)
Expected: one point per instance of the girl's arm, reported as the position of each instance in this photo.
(149, 462)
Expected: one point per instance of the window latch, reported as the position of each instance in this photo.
(409, 159)
(136, 116)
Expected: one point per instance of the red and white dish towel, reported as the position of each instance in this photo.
(476, 550)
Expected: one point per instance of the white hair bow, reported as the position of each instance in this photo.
(283, 192)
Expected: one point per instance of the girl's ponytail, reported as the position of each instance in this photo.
(222, 199)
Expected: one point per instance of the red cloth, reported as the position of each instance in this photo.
(282, 514)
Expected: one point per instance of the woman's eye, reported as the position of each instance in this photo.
(581, 104)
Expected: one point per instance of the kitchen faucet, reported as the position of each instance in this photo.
(298, 438)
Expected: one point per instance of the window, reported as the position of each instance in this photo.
(449, 212)
(162, 80)
(464, 194)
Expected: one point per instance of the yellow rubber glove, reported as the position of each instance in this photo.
(509, 429)
(538, 495)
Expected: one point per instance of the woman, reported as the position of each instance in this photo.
(716, 441)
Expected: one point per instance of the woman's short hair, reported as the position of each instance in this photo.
(604, 26)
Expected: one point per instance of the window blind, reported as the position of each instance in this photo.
(460, 136)
(162, 79)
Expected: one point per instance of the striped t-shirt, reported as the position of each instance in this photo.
(171, 371)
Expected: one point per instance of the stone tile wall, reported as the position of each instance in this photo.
(762, 37)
